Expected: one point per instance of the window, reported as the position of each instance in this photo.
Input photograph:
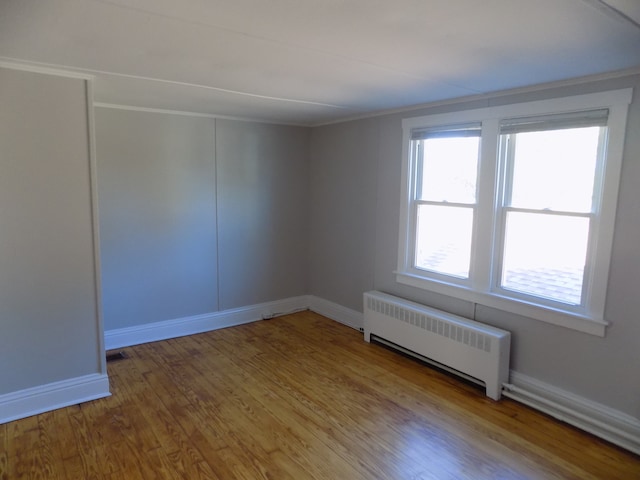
(446, 173)
(513, 207)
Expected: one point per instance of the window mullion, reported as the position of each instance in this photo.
(484, 218)
(503, 197)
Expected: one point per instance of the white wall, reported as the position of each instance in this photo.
(355, 178)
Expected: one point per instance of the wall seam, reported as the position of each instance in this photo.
(217, 212)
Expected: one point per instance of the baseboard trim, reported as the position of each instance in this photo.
(334, 311)
(602, 421)
(44, 398)
(153, 332)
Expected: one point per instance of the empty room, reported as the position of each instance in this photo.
(319, 239)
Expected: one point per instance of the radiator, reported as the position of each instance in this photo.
(472, 348)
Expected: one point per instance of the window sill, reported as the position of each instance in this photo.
(543, 313)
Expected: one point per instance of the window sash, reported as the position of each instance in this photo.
(471, 130)
(420, 160)
(506, 160)
(458, 270)
(500, 249)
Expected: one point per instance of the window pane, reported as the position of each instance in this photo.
(449, 169)
(544, 255)
(443, 239)
(555, 169)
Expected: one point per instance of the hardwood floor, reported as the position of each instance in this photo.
(297, 397)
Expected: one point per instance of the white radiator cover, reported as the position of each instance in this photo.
(470, 347)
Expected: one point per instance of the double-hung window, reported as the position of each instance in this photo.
(513, 206)
(445, 198)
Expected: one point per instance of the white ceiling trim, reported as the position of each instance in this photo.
(91, 73)
(182, 113)
(492, 95)
(16, 64)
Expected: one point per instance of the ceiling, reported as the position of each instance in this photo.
(310, 62)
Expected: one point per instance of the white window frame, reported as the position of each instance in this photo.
(479, 287)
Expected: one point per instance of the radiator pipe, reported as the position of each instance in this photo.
(551, 408)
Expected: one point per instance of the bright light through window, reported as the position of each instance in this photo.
(443, 242)
(548, 211)
(545, 255)
(555, 169)
(446, 194)
(449, 169)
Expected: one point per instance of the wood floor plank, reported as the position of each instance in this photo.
(179, 432)
(227, 462)
(297, 397)
(368, 411)
(64, 444)
(23, 449)
(4, 452)
(461, 395)
(230, 395)
(296, 444)
(325, 381)
(249, 417)
(310, 406)
(48, 454)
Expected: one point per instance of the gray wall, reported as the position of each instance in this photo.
(49, 322)
(262, 212)
(198, 215)
(355, 178)
(343, 166)
(157, 198)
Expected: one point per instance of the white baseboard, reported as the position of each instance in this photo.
(44, 398)
(152, 332)
(334, 311)
(602, 421)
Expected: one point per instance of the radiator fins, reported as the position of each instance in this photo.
(434, 325)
